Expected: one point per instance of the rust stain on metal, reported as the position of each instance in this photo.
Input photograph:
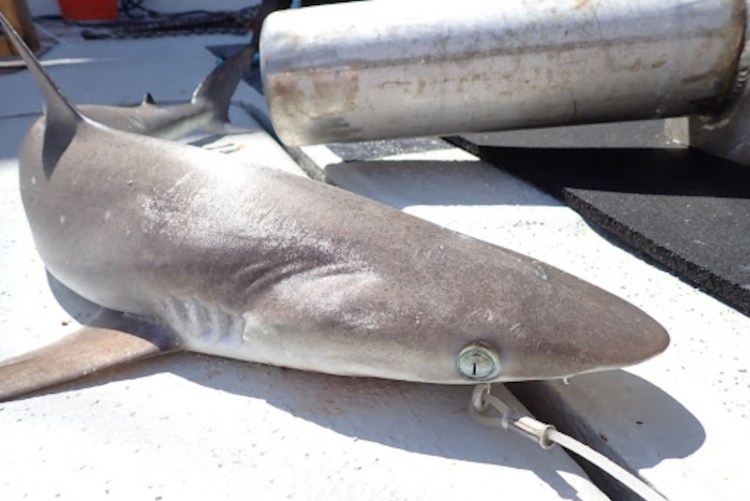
(337, 86)
(286, 89)
(352, 87)
(395, 83)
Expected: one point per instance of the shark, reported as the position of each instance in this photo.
(186, 250)
(207, 110)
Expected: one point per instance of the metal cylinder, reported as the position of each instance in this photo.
(384, 69)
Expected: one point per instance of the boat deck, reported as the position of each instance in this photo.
(189, 426)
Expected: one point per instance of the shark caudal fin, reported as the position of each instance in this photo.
(217, 89)
(111, 339)
(62, 117)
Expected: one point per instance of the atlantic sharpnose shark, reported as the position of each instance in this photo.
(208, 108)
(206, 255)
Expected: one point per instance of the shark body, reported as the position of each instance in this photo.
(198, 253)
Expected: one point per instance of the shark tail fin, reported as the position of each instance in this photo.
(62, 117)
(111, 339)
(59, 109)
(217, 89)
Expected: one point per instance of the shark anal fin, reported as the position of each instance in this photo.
(111, 340)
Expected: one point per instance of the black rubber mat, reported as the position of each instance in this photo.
(687, 210)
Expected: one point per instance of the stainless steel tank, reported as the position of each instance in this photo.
(386, 69)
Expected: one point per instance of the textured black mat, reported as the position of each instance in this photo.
(686, 210)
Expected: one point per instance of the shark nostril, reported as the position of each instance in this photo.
(477, 361)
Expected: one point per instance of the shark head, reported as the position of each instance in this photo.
(561, 331)
(526, 323)
(533, 322)
(423, 303)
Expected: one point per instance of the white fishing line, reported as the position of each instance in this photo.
(546, 436)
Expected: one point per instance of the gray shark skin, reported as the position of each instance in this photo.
(208, 109)
(259, 265)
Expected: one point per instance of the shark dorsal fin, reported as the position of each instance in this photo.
(148, 99)
(62, 117)
(217, 88)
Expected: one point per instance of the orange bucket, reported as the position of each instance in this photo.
(88, 10)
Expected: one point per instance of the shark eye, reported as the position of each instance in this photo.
(478, 361)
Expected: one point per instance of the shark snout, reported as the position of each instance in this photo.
(588, 331)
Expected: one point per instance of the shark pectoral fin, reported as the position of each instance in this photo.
(111, 339)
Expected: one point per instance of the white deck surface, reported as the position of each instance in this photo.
(186, 426)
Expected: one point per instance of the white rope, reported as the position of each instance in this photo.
(546, 436)
(606, 464)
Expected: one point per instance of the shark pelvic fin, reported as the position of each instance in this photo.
(217, 89)
(62, 117)
(111, 339)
